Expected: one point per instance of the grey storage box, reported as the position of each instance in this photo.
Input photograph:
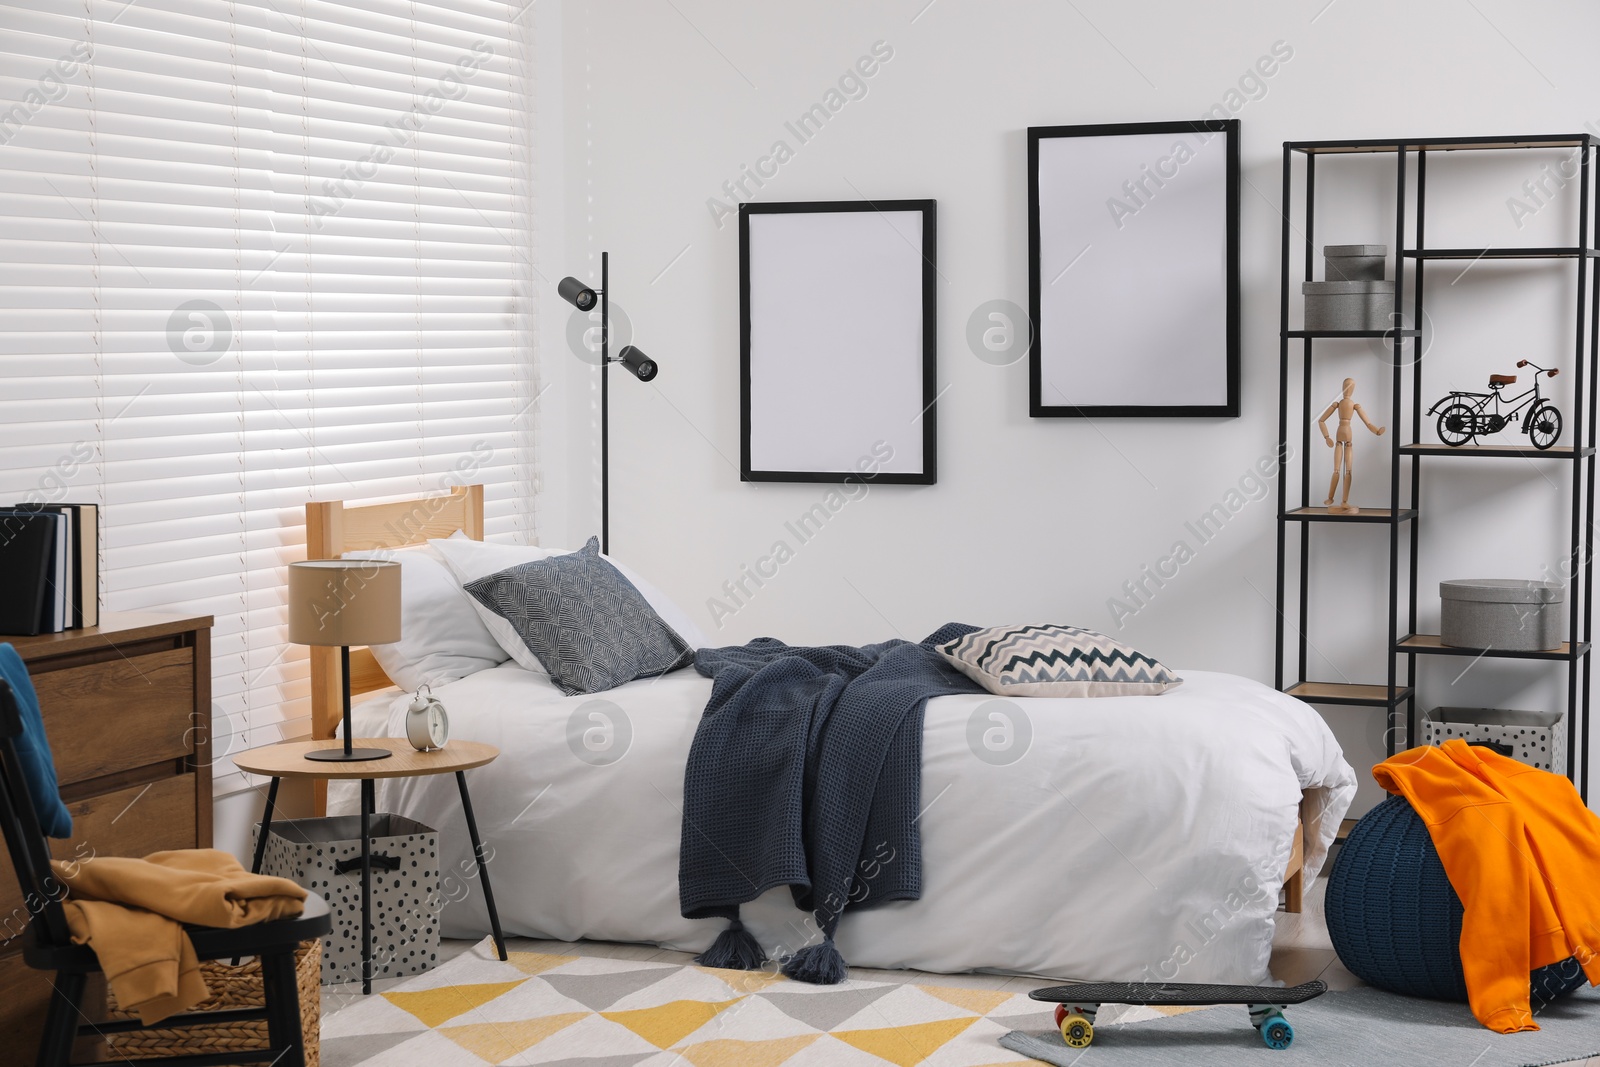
(324, 855)
(1532, 737)
(1514, 614)
(1354, 263)
(1338, 305)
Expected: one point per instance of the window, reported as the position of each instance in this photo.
(256, 254)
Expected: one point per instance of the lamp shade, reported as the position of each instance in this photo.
(344, 602)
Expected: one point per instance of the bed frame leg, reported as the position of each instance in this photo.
(1294, 892)
(1294, 875)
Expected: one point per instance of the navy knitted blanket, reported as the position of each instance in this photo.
(806, 771)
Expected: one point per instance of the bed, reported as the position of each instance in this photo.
(1138, 838)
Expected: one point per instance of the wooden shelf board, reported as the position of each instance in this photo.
(1495, 451)
(1345, 826)
(1382, 515)
(1432, 645)
(1373, 696)
(1444, 144)
(1511, 252)
(1351, 333)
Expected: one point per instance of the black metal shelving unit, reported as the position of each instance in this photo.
(1398, 692)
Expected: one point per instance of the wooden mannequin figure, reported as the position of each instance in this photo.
(1342, 444)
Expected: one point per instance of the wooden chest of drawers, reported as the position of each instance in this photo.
(127, 707)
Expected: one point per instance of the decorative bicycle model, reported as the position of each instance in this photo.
(1466, 416)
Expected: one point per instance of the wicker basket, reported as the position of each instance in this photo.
(231, 987)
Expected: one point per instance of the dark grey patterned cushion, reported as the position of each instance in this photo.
(588, 625)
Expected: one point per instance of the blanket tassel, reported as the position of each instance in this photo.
(819, 964)
(734, 949)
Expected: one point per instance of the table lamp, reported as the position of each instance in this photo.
(344, 602)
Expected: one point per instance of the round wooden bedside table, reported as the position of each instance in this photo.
(289, 761)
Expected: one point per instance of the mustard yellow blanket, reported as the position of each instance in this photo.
(132, 911)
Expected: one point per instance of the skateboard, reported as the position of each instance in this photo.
(1077, 1004)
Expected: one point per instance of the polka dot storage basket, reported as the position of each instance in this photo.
(324, 855)
(1537, 738)
(1394, 918)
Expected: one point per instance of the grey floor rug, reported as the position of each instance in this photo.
(1361, 1026)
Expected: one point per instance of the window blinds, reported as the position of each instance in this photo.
(256, 254)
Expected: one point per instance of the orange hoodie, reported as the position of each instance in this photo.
(1522, 852)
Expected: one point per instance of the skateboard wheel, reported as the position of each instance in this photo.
(1276, 1033)
(1061, 1013)
(1077, 1031)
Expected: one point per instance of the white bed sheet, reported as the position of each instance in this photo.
(1139, 838)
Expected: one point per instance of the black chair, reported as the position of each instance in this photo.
(47, 945)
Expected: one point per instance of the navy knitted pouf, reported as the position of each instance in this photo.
(1395, 920)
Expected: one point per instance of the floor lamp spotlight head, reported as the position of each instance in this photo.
(576, 293)
(643, 367)
(344, 602)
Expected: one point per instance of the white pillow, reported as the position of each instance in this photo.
(470, 560)
(441, 638)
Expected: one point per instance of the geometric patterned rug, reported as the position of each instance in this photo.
(585, 1011)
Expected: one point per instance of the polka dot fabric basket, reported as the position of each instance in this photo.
(1538, 744)
(324, 855)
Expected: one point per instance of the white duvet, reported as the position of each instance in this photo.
(1128, 838)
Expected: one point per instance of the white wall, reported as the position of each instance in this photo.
(1045, 519)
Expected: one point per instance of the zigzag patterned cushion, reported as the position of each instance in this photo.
(1056, 661)
(585, 622)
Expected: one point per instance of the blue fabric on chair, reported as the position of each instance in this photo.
(1395, 920)
(33, 749)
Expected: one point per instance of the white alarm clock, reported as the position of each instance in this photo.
(427, 724)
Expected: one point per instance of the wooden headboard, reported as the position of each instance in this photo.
(334, 528)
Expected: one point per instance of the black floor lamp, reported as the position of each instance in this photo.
(642, 366)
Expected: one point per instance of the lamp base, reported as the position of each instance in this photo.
(356, 755)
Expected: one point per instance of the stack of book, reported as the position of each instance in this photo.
(49, 568)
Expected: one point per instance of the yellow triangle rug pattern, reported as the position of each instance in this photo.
(568, 1010)
(905, 1046)
(666, 1025)
(496, 1042)
(443, 1003)
(978, 1001)
(726, 1053)
(532, 963)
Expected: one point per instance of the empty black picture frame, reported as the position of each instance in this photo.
(1128, 350)
(890, 292)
